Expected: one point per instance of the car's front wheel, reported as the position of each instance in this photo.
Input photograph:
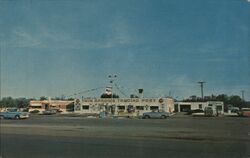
(1, 117)
(163, 117)
(17, 117)
(146, 117)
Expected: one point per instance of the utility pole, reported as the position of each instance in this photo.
(242, 95)
(0, 71)
(201, 84)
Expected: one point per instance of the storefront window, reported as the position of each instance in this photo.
(85, 107)
(139, 107)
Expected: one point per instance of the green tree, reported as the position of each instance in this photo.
(22, 102)
(222, 97)
(134, 96)
(7, 102)
(236, 101)
(18, 102)
(43, 98)
(104, 95)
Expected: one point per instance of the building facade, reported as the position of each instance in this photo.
(187, 106)
(123, 106)
(43, 105)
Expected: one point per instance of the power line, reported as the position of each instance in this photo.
(85, 91)
(117, 87)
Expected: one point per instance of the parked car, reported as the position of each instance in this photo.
(209, 111)
(244, 112)
(198, 112)
(155, 114)
(235, 110)
(195, 111)
(49, 112)
(13, 114)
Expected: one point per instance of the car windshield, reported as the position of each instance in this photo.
(12, 110)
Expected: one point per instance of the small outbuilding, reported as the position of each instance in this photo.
(187, 106)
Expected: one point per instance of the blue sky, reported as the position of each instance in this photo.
(61, 47)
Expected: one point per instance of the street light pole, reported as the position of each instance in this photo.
(201, 84)
(112, 78)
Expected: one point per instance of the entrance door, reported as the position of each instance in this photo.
(46, 106)
(176, 109)
(185, 108)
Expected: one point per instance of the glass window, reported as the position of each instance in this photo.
(12, 110)
(139, 107)
(220, 108)
(154, 107)
(36, 107)
(85, 107)
(121, 107)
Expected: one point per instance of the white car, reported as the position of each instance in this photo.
(198, 114)
(155, 114)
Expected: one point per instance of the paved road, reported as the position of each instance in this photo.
(70, 137)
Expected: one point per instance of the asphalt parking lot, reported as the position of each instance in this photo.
(177, 136)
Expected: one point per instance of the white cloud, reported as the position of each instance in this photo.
(20, 38)
(118, 34)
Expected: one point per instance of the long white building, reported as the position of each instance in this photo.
(123, 106)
